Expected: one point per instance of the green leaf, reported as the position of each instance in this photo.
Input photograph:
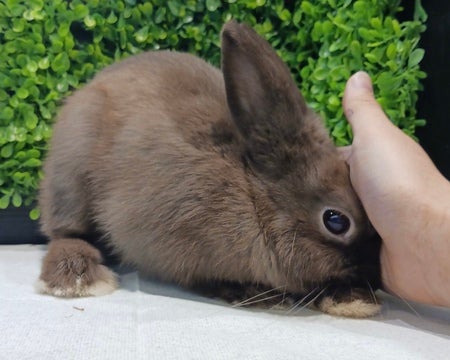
(334, 101)
(416, 57)
(320, 73)
(420, 122)
(4, 201)
(35, 214)
(213, 5)
(284, 15)
(365, 34)
(18, 25)
(388, 81)
(175, 7)
(391, 51)
(60, 63)
(419, 12)
(33, 153)
(3, 96)
(112, 18)
(6, 113)
(22, 93)
(36, 4)
(297, 17)
(64, 29)
(160, 15)
(371, 57)
(31, 121)
(141, 35)
(89, 21)
(22, 60)
(45, 112)
(44, 63)
(376, 23)
(32, 66)
(396, 27)
(355, 49)
(80, 11)
(307, 7)
(49, 26)
(17, 199)
(32, 163)
(7, 150)
(392, 65)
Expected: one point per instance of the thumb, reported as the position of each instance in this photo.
(360, 107)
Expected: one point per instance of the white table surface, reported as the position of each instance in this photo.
(150, 320)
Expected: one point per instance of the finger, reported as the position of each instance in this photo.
(360, 107)
(345, 152)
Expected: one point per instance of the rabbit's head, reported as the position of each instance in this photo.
(315, 230)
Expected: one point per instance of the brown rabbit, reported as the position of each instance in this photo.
(209, 179)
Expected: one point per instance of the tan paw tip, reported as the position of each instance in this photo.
(354, 309)
(101, 287)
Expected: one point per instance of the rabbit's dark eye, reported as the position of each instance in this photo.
(336, 222)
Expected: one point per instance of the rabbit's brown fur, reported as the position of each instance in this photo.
(197, 176)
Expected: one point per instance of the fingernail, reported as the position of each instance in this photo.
(361, 80)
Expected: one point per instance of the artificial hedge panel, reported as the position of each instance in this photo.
(49, 48)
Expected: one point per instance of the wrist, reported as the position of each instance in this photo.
(434, 242)
(416, 248)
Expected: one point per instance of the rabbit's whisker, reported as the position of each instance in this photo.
(300, 305)
(407, 304)
(247, 302)
(372, 293)
(260, 297)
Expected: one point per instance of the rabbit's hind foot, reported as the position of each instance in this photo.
(72, 268)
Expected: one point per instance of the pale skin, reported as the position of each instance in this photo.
(406, 198)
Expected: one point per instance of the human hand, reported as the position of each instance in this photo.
(405, 197)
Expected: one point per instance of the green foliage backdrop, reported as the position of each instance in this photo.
(48, 48)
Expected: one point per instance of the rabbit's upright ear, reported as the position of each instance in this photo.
(264, 100)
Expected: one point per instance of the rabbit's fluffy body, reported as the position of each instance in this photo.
(197, 180)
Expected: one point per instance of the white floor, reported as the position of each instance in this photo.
(148, 320)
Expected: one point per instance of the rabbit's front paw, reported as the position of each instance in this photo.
(351, 302)
(72, 268)
(354, 309)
